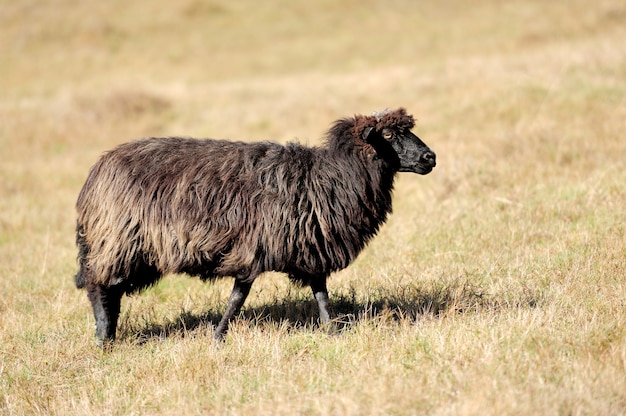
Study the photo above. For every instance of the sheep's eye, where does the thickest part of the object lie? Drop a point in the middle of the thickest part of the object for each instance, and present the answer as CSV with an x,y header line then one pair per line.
x,y
387,135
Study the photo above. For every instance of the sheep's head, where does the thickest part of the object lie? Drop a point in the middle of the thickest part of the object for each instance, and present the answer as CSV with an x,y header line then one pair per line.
x,y
389,132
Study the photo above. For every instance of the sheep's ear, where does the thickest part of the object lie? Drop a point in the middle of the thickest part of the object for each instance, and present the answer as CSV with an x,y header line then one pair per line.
x,y
367,133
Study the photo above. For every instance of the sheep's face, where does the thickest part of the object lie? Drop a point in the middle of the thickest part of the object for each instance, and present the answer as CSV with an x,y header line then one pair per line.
x,y
403,149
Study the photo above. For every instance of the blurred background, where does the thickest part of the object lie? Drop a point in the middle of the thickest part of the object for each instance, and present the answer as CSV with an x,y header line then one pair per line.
x,y
118,69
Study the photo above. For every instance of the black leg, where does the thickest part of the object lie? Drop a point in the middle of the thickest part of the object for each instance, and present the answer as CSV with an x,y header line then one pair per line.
x,y
105,302
237,298
318,286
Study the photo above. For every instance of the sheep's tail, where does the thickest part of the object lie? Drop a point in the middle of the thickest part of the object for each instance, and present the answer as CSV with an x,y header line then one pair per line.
x,y
79,279
83,250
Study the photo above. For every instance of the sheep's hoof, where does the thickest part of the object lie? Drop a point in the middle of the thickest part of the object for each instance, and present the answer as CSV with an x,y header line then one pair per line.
x,y
219,336
105,344
331,328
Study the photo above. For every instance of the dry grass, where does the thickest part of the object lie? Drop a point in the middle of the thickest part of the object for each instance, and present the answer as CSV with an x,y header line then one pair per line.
x,y
497,287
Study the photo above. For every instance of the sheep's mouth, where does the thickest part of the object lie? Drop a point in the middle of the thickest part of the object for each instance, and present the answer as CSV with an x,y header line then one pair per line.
x,y
423,169
419,168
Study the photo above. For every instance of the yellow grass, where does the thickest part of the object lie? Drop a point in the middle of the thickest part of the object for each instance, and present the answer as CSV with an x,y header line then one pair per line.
x,y
498,286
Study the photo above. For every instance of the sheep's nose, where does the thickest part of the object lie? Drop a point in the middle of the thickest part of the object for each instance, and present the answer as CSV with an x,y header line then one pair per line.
x,y
428,158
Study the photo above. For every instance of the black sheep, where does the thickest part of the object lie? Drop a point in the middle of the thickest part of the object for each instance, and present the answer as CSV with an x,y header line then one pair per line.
x,y
214,208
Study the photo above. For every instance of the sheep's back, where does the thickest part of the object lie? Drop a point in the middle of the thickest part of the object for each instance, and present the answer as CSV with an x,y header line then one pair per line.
x,y
174,203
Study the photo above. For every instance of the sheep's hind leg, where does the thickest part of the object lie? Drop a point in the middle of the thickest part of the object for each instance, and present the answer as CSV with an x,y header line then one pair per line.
x,y
105,302
320,292
235,302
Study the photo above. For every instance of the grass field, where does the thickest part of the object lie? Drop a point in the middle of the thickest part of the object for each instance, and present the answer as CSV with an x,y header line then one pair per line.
x,y
498,286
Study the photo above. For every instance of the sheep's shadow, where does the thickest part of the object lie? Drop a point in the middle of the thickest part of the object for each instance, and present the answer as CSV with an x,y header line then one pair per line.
x,y
298,312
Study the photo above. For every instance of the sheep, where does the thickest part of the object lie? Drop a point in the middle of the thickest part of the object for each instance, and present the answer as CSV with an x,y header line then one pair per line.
x,y
216,208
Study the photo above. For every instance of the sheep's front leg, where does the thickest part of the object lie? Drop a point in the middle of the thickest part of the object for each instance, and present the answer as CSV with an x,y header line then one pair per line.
x,y
320,292
235,302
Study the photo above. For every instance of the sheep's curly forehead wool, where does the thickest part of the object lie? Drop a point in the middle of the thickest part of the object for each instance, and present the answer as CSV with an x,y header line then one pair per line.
x,y
396,119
